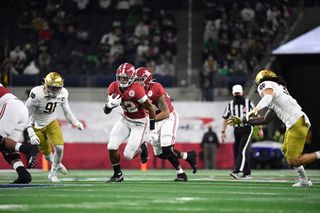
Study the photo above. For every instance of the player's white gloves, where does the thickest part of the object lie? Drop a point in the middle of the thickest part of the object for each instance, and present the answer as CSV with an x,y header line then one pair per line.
x,y
34,140
79,125
154,137
113,102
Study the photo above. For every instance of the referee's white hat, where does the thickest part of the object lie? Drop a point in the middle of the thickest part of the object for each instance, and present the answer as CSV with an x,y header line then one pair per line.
x,y
237,89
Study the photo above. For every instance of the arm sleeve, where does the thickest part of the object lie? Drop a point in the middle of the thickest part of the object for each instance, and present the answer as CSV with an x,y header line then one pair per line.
x,y
264,102
261,120
67,111
31,105
68,114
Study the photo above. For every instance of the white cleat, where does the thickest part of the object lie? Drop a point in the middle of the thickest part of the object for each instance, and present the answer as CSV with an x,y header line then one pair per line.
x,y
234,175
246,177
53,177
62,169
303,183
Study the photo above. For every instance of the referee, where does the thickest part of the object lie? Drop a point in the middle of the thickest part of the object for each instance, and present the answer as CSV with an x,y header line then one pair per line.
x,y
239,107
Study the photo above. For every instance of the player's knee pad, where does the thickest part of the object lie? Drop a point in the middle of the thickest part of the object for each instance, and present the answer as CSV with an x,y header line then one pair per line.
x,y
11,157
112,146
129,154
59,149
166,140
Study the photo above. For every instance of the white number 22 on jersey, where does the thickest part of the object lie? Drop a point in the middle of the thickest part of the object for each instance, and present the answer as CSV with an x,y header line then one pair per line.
x,y
129,106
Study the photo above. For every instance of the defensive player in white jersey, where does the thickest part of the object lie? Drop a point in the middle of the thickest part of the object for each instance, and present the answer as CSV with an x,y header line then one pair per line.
x,y
42,103
13,121
275,96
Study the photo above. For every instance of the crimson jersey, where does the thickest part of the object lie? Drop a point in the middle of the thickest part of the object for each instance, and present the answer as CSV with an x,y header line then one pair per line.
x,y
3,90
132,99
154,91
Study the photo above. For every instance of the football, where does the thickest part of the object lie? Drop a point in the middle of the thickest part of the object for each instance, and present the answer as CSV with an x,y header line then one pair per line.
x,y
113,95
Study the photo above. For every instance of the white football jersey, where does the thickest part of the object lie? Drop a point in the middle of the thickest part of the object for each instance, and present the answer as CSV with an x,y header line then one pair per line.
x,y
42,109
283,104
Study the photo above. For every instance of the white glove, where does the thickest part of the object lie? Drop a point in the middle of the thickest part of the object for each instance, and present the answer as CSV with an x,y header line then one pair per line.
x,y
34,140
79,125
154,137
113,102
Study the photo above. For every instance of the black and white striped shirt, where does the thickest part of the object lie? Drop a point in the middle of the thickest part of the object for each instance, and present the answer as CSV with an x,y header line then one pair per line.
x,y
239,107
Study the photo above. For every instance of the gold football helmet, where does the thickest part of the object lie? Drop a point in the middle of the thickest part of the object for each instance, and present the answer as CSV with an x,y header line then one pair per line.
x,y
264,74
53,84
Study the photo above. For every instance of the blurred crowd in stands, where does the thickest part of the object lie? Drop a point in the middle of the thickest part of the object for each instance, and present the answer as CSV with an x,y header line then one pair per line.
x,y
237,34
88,36
92,37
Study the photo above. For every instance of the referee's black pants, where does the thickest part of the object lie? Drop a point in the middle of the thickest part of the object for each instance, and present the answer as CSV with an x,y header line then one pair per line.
x,y
242,148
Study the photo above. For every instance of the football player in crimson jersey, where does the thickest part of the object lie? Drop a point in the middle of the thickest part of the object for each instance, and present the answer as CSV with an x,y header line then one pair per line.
x,y
132,124
13,121
167,121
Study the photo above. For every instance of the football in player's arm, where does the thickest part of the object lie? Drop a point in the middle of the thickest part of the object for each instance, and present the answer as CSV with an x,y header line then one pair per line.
x,y
132,124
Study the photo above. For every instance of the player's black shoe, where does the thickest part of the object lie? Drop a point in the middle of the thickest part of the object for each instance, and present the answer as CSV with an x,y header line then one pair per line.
x,y
24,176
144,154
181,177
192,160
116,178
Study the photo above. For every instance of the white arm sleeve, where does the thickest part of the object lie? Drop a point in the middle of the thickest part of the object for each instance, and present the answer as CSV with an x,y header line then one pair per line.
x,y
31,106
265,101
68,114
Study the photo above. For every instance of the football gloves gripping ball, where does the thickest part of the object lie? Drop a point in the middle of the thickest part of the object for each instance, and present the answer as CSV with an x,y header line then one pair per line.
x,y
113,102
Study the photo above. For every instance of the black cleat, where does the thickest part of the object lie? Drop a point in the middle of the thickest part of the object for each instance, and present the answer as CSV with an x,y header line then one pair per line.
x,y
192,160
32,156
23,178
116,178
181,177
144,154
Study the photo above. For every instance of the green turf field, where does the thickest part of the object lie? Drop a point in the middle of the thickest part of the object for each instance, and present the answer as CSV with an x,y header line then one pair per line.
x,y
154,191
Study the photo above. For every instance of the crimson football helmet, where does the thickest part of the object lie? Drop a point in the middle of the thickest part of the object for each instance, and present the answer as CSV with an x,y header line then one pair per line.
x,y
144,76
126,75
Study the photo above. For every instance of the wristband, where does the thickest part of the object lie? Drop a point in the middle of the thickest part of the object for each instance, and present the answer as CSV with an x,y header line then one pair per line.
x,y
152,124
